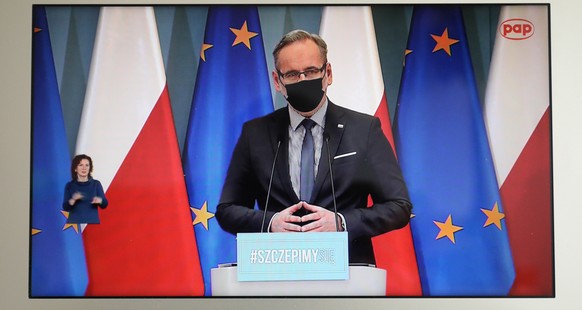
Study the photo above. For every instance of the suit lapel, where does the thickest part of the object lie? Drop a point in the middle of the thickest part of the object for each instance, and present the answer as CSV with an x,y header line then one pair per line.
x,y
334,122
279,131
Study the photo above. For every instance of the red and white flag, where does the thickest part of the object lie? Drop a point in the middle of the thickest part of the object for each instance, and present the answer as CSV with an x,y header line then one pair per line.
x,y
517,117
145,243
358,85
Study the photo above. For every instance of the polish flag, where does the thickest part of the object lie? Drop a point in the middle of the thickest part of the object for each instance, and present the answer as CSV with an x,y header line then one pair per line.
x,y
358,85
517,116
145,244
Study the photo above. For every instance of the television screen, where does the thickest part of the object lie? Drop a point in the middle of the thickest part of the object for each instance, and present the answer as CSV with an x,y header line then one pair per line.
x,y
156,97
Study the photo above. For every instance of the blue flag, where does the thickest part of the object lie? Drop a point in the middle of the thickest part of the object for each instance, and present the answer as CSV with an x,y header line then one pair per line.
x,y
232,87
57,266
458,228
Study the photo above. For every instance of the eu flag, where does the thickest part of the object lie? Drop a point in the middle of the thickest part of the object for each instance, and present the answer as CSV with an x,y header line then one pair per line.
x,y
232,87
57,266
458,228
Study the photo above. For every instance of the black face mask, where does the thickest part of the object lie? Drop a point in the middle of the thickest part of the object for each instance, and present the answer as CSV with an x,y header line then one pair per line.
x,y
304,96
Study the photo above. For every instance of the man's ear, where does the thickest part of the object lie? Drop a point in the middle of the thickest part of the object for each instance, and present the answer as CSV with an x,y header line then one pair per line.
x,y
276,81
329,74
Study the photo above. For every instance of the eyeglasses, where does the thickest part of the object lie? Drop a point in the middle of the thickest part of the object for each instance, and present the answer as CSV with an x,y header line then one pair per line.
x,y
295,76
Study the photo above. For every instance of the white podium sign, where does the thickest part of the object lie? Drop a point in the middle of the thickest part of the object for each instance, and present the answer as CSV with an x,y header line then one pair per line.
x,y
292,256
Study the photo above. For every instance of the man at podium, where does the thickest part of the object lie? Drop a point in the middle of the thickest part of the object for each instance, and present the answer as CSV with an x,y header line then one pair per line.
x,y
312,165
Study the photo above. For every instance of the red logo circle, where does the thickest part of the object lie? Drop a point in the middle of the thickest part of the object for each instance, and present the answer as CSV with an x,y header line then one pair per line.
x,y
516,29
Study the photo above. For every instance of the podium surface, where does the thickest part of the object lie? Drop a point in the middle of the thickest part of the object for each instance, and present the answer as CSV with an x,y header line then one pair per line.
x,y
363,281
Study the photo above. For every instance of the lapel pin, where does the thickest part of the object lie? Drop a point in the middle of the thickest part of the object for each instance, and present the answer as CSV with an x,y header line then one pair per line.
x,y
340,126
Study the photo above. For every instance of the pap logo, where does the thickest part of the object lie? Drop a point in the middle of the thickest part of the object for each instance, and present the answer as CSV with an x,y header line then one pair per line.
x,y
516,29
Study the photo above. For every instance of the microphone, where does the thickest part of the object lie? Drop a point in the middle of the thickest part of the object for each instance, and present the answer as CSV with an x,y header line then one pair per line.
x,y
270,183
326,137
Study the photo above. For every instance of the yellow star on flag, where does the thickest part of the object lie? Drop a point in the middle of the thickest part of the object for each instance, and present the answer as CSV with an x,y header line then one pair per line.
x,y
493,216
35,231
202,215
204,48
443,42
67,226
243,35
447,229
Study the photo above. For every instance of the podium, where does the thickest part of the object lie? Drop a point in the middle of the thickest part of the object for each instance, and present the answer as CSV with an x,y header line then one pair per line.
x,y
363,281
296,264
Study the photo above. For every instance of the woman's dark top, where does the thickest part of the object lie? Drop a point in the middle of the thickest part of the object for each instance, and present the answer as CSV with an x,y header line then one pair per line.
x,y
83,211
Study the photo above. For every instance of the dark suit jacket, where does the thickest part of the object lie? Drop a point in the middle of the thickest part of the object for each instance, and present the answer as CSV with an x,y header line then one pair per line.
x,y
372,170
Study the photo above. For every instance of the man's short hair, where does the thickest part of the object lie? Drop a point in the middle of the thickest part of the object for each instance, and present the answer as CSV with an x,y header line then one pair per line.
x,y
300,35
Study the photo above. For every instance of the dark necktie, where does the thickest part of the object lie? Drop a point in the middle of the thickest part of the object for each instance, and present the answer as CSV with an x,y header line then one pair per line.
x,y
307,162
